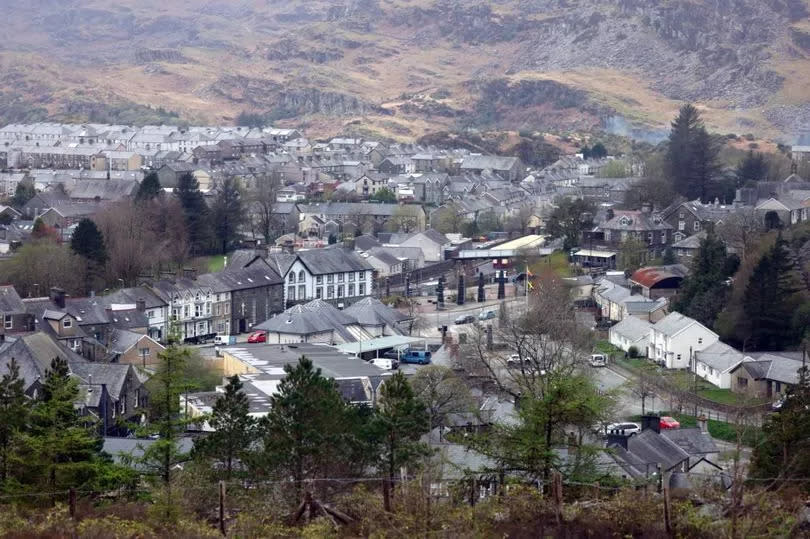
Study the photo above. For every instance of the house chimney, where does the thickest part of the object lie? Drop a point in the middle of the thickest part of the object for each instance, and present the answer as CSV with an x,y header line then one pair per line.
x,y
140,304
617,437
58,297
610,214
348,243
646,207
288,247
650,421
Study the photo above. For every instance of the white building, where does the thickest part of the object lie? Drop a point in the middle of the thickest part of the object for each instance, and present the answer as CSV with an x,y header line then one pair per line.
x,y
335,275
715,363
674,339
631,332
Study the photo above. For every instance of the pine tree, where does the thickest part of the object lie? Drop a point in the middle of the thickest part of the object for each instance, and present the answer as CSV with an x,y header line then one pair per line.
x,y
401,420
149,188
64,449
196,212
234,429
752,168
24,192
227,214
304,433
770,299
691,158
14,411
784,452
87,241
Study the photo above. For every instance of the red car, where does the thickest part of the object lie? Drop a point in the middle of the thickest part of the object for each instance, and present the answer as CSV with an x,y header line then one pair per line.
x,y
257,336
669,423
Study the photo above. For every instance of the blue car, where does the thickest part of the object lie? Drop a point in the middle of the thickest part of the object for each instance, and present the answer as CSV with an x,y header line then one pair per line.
x,y
419,357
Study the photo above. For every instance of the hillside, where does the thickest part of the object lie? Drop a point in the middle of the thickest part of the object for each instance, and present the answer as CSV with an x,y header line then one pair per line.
x,y
403,68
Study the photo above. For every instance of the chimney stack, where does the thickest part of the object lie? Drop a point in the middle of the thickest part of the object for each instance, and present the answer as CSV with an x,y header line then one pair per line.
x,y
650,421
58,297
617,437
140,304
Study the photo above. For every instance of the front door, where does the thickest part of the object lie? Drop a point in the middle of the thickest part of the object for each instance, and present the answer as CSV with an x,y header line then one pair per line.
x,y
242,325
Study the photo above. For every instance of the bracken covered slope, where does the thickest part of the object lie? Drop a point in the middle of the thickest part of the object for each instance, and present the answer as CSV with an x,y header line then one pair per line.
x,y
403,68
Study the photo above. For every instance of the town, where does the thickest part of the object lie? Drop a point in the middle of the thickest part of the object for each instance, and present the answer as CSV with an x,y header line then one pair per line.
x,y
351,328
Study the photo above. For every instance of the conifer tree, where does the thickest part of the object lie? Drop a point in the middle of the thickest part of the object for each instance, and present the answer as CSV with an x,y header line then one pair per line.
x,y
14,411
149,188
87,241
196,212
691,158
234,429
227,214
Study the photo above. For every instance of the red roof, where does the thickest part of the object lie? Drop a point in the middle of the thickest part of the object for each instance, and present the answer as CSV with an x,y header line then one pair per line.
x,y
651,276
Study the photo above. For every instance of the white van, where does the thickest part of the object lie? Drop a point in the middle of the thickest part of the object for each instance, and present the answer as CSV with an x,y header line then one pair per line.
x,y
598,360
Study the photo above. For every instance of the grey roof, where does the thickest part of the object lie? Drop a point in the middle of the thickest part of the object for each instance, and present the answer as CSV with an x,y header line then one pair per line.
x,y
673,323
325,261
233,279
122,340
10,301
50,314
281,262
366,242
636,221
133,447
692,242
616,294
132,295
372,312
757,369
650,448
720,356
241,258
87,311
639,307
782,369
34,354
693,441
384,256
317,316
350,208
354,390
104,189
632,328
113,375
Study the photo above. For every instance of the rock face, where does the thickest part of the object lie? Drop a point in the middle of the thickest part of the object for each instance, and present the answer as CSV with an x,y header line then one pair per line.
x,y
503,63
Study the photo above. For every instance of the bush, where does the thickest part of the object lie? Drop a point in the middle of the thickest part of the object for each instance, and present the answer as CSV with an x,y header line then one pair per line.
x,y
632,352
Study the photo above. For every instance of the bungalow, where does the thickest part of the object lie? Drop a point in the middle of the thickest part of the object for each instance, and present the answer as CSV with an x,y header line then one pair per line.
x,y
674,339
783,211
768,375
716,362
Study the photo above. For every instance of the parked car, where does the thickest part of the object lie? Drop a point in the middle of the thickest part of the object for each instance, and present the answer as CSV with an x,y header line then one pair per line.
x,y
419,357
489,314
668,422
598,360
257,337
629,429
465,319
515,360
385,363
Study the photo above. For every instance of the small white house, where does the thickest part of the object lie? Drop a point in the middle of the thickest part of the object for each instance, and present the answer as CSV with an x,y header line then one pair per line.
x,y
715,363
631,332
674,339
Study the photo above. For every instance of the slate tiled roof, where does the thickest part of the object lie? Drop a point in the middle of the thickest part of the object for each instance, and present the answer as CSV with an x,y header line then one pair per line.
x,y
488,162
10,301
632,328
693,441
651,448
317,316
373,312
122,340
113,375
325,261
720,356
673,323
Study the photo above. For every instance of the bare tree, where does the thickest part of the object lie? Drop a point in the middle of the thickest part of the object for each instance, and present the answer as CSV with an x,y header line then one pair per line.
x,y
261,202
132,246
741,231
442,392
405,219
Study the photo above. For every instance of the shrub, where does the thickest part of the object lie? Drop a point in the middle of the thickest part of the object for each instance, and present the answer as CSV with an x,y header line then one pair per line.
x,y
632,352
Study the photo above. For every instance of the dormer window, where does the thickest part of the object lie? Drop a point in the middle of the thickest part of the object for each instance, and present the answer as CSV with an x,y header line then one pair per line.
x,y
625,221
67,323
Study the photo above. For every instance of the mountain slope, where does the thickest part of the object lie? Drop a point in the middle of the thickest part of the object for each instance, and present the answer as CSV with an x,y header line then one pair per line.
x,y
406,67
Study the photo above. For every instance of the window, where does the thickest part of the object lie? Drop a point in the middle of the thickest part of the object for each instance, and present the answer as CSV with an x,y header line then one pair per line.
x,y
681,225
778,387
607,235
144,352
340,277
351,289
330,292
302,291
290,293
9,321
198,310
697,225
208,308
301,276
319,279
340,291
217,297
330,279
679,357
227,308
319,293
175,313
664,237
292,277
351,277
742,381
137,398
649,237
361,289
624,235
361,275
681,215
700,340
150,314
186,311
67,322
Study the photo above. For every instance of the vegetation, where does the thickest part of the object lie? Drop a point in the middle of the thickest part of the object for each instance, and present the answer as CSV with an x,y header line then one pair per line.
x,y
568,219
384,195
227,215
691,158
196,213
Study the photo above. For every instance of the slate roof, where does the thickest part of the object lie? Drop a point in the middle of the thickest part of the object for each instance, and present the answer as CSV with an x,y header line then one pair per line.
x,y
113,375
349,208
132,295
281,262
693,441
234,279
651,448
720,356
757,369
384,256
134,448
10,301
325,261
782,369
372,312
122,340
692,242
673,323
632,328
317,316
87,311
636,221
103,189
366,242
354,390
34,354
